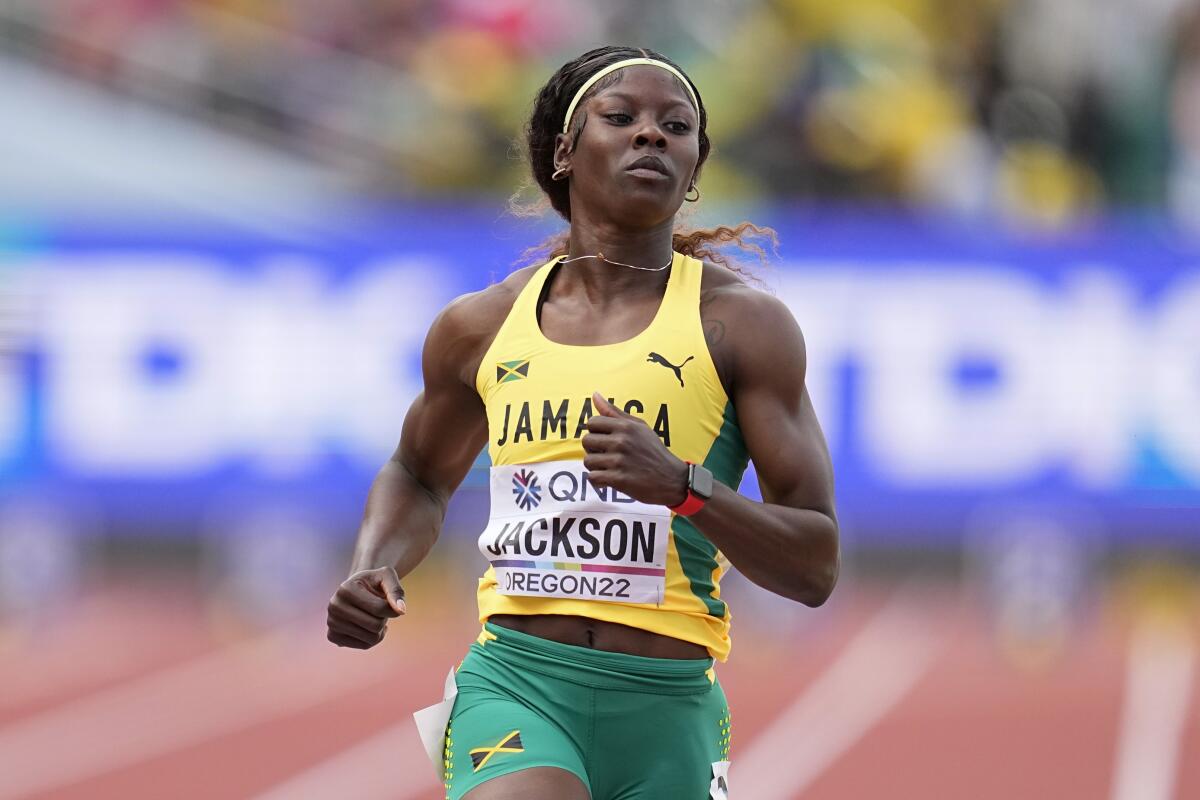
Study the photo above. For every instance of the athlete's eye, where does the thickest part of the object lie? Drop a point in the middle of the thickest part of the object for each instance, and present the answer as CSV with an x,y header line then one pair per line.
x,y
679,127
620,118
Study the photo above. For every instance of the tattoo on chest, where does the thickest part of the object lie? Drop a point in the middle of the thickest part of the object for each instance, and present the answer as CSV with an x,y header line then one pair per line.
x,y
714,334
714,331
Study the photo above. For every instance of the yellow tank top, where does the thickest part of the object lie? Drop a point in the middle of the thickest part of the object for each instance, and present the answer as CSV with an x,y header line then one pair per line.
x,y
555,543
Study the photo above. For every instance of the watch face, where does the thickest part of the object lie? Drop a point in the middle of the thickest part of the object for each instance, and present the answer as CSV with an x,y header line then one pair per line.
x,y
700,481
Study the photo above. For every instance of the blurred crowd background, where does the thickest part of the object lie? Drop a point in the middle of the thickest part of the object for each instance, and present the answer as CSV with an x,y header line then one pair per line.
x,y
225,226
1041,109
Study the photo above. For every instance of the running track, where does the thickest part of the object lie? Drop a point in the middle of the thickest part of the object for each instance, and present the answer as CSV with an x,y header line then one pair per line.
x,y
887,691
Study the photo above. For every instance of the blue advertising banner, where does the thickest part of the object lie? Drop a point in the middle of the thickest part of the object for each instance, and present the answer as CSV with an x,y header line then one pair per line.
x,y
158,378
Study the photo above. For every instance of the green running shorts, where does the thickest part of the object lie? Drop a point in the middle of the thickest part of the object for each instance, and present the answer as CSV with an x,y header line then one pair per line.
x,y
630,727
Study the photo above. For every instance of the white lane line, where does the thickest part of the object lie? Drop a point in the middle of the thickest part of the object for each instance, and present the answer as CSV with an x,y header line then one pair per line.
x,y
1158,683
179,706
41,679
872,674
391,765
57,672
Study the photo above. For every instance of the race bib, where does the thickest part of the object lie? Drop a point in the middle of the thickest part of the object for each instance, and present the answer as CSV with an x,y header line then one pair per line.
x,y
553,534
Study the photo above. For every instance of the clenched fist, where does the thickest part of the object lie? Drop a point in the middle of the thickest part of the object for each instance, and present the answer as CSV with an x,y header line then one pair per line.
x,y
622,452
361,607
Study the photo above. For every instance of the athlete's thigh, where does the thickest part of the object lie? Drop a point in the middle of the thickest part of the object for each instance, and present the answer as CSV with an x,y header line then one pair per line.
x,y
495,741
535,783
663,747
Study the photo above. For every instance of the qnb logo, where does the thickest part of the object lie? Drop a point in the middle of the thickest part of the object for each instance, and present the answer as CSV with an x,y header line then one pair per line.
x,y
526,489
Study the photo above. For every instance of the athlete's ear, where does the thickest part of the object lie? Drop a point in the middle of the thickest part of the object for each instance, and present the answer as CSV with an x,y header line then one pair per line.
x,y
563,145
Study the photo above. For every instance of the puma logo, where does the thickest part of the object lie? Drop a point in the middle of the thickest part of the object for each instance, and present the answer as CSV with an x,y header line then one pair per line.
x,y
678,370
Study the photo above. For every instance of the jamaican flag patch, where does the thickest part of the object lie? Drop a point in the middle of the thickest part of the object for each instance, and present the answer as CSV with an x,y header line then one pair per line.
x,y
512,370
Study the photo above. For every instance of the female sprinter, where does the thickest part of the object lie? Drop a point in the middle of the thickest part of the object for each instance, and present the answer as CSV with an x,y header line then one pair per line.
x,y
619,389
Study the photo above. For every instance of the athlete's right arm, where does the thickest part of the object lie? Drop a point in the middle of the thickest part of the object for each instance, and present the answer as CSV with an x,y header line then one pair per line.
x,y
443,432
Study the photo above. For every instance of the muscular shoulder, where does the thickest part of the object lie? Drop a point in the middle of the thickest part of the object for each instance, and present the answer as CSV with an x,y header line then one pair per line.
x,y
463,330
747,329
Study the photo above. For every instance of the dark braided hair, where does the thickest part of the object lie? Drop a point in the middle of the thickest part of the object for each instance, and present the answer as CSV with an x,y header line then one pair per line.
x,y
546,121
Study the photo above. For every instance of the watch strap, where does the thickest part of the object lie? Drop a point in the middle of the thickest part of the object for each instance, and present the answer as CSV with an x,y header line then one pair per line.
x,y
690,506
693,502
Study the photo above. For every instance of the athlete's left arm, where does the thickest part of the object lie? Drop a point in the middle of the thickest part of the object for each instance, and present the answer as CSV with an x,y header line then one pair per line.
x,y
788,543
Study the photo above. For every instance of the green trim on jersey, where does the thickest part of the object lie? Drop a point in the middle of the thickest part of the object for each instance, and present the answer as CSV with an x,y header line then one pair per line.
x,y
726,460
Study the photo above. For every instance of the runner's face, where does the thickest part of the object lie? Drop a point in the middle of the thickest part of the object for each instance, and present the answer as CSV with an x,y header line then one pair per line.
x,y
638,149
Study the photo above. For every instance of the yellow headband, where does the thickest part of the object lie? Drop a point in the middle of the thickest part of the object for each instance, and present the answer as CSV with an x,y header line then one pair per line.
x,y
629,62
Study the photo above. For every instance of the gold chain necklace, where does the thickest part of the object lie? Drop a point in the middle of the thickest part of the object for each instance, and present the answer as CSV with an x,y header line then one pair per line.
x,y
601,257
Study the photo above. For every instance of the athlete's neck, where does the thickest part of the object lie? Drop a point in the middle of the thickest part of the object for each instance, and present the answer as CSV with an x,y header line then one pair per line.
x,y
647,247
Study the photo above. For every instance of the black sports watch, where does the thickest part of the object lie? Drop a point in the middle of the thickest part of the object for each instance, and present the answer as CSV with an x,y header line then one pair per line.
x,y
699,490
700,481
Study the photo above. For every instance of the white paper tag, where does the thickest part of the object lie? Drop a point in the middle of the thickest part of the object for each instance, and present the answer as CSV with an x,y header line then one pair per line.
x,y
718,789
431,725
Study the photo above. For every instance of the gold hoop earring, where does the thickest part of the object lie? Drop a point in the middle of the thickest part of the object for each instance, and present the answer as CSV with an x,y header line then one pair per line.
x,y
693,188
560,173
